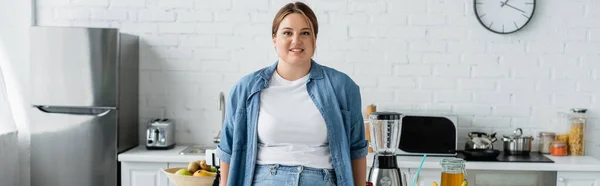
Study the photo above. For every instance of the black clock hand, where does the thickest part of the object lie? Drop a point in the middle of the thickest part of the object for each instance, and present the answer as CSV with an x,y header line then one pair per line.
x,y
514,7
502,4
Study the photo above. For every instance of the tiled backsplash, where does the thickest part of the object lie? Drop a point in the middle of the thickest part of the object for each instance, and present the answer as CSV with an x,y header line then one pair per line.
x,y
407,56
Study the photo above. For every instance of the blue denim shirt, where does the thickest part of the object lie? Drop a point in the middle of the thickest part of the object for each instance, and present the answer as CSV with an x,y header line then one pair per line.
x,y
336,96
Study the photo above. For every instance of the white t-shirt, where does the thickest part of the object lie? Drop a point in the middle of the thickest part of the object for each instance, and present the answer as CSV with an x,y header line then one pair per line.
x,y
291,130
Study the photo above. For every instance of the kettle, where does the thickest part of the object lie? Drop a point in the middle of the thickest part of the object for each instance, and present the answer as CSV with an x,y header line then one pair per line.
x,y
480,140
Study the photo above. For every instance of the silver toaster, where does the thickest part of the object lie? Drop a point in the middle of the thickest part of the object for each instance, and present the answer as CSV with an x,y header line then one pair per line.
x,y
160,134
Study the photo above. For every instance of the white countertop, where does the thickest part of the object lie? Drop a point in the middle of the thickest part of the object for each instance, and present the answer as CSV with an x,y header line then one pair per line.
x,y
564,163
141,154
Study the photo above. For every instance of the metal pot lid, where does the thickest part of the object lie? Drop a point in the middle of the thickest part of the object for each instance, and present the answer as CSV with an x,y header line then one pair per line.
x,y
578,110
517,134
547,134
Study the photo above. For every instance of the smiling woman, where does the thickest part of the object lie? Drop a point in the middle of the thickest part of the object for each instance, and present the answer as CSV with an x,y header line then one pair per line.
x,y
295,122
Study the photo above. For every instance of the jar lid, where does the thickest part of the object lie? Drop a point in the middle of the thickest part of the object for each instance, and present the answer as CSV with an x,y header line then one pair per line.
x,y
559,143
453,162
578,110
547,134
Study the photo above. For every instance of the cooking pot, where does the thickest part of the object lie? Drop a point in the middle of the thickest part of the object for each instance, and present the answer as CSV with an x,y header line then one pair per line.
x,y
517,144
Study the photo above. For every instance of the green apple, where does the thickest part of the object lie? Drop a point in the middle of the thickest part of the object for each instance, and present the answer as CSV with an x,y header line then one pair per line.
x,y
212,169
184,172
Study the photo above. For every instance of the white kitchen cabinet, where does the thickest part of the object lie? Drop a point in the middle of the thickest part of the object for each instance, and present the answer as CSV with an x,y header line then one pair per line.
x,y
564,178
498,178
426,177
146,173
517,178
143,174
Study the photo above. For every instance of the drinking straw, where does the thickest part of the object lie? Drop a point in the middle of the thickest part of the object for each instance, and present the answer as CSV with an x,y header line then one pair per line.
x,y
419,170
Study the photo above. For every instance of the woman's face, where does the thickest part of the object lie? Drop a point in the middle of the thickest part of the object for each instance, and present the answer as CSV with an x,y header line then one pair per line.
x,y
294,39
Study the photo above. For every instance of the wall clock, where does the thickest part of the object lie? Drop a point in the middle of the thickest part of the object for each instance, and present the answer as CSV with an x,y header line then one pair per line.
x,y
504,16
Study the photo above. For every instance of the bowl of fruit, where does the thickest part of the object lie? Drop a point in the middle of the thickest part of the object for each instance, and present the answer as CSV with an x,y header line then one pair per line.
x,y
198,173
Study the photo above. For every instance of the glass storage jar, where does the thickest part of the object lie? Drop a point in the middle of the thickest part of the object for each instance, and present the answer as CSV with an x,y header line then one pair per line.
x,y
370,109
559,148
453,172
577,121
546,139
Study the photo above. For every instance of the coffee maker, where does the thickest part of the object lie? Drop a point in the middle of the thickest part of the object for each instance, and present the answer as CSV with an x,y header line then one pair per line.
x,y
385,130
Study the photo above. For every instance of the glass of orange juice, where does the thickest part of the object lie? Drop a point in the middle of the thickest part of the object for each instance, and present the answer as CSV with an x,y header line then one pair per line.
x,y
453,171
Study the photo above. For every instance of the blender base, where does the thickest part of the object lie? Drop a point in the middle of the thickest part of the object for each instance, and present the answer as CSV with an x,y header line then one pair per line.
x,y
385,172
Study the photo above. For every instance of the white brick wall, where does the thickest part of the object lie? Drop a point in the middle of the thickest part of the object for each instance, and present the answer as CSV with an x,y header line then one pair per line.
x,y
406,56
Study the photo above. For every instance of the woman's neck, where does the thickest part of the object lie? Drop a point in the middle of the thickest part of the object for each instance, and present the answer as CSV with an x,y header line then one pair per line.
x,y
292,72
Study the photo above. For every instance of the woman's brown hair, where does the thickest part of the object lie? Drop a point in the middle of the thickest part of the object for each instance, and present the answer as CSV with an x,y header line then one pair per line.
x,y
297,7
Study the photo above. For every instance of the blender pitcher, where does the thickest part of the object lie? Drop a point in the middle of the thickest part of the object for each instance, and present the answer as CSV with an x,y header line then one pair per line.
x,y
385,132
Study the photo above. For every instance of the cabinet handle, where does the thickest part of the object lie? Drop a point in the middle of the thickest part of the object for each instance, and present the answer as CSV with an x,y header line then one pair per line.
x,y
561,179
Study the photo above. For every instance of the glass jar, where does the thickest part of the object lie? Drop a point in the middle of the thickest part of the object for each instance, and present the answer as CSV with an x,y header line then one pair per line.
x,y
559,148
368,135
453,171
546,139
370,109
563,127
577,121
563,137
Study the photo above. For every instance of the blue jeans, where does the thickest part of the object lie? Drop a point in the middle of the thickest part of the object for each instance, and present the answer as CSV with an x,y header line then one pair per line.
x,y
282,175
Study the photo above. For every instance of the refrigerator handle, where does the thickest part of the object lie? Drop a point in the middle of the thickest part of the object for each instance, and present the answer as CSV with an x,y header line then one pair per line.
x,y
103,113
89,111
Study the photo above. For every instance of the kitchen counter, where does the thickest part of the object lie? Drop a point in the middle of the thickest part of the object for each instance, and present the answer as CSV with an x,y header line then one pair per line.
x,y
565,163
141,154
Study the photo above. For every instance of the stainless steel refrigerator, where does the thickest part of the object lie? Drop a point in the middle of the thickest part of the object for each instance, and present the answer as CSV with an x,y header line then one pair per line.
x,y
84,91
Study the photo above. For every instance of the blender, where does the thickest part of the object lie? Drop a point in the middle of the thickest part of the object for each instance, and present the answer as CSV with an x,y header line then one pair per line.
x,y
385,138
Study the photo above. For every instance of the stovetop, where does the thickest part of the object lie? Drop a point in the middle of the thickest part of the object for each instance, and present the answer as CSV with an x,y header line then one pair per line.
x,y
533,157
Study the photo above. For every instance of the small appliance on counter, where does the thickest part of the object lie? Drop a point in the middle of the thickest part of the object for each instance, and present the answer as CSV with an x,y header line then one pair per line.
x,y
386,134
160,134
428,134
